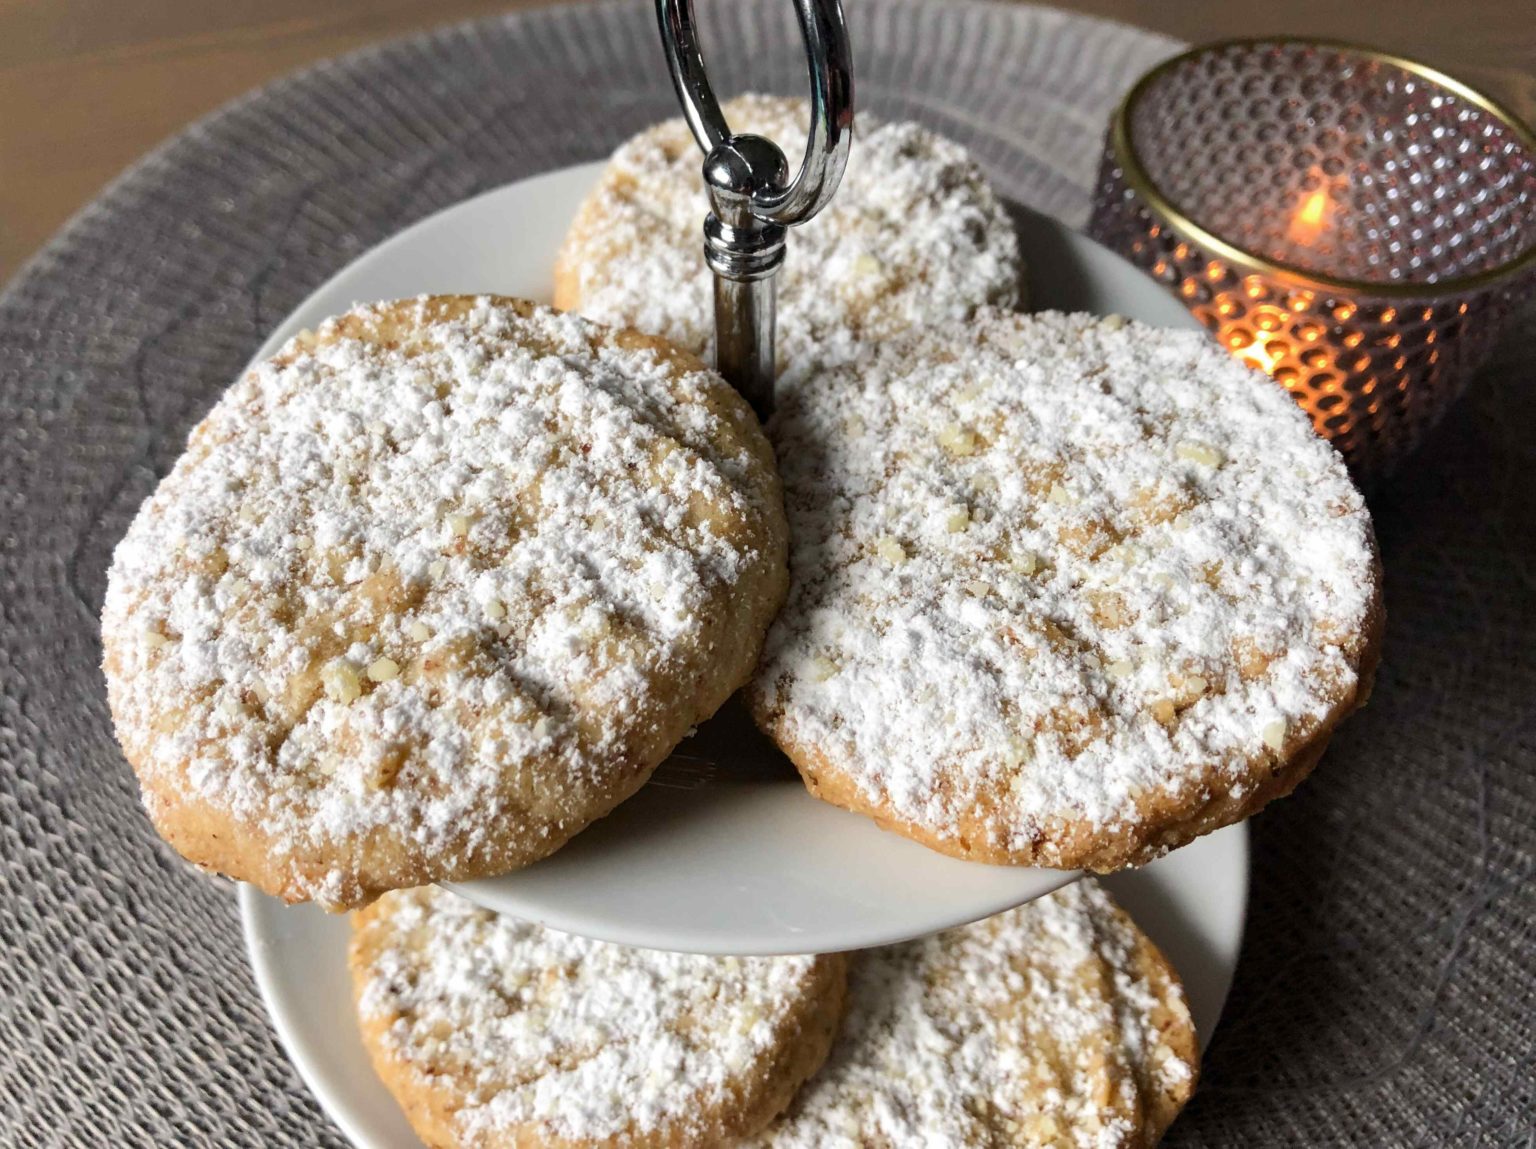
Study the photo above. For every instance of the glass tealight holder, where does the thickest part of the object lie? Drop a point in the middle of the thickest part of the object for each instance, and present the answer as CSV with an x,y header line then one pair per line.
x,y
1355,224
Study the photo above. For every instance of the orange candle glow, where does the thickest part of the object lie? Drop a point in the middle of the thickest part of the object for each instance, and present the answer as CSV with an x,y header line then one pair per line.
x,y
1259,355
1311,217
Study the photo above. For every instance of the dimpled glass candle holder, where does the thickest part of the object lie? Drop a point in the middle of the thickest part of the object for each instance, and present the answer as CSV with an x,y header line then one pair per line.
x,y
1355,224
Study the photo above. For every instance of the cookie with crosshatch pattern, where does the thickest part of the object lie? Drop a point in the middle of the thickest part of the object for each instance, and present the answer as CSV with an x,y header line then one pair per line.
x,y
1056,1025
1065,591
495,1033
432,589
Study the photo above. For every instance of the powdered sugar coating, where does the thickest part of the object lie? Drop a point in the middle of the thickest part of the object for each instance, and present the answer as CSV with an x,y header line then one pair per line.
x,y
1052,1025
431,590
529,1036
1058,583
915,235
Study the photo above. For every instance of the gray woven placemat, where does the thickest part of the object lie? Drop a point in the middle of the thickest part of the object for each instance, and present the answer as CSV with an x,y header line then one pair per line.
x,y
1386,993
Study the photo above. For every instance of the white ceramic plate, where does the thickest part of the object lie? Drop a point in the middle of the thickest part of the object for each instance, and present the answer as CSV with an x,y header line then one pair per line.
x,y
1191,902
724,852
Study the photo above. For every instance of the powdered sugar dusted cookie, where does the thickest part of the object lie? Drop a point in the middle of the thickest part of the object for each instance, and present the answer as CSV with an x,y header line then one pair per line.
x,y
433,589
1064,591
914,236
494,1033
1057,1025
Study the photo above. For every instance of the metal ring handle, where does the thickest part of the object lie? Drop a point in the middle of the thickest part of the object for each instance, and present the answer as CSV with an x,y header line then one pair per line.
x,y
830,63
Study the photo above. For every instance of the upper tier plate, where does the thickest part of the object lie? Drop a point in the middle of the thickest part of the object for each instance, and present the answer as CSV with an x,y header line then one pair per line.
x,y
724,851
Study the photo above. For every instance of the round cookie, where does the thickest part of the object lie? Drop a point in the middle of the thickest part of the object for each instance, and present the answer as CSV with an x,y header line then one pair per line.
x,y
434,588
914,236
1064,591
1056,1025
494,1033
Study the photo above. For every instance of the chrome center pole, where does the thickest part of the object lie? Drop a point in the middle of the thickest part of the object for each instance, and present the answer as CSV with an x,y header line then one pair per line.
x,y
753,202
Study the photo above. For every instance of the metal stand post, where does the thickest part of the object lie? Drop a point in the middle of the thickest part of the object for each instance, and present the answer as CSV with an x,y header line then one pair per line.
x,y
752,200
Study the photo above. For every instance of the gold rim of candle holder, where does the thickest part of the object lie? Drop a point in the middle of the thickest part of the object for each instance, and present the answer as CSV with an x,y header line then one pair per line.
x,y
1135,175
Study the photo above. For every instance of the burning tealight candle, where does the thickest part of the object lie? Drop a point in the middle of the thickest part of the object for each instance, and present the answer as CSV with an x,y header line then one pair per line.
x,y
1311,218
1354,224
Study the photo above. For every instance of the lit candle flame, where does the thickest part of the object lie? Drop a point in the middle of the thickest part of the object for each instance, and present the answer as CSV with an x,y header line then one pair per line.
x,y
1311,217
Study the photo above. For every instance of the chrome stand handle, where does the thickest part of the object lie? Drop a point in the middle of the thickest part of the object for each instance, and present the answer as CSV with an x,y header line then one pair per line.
x,y
753,202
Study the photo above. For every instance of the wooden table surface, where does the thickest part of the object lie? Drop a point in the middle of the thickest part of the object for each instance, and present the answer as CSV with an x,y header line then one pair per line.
x,y
86,86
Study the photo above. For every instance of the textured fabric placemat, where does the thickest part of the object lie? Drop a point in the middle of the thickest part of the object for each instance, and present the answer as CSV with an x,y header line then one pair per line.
x,y
1386,992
